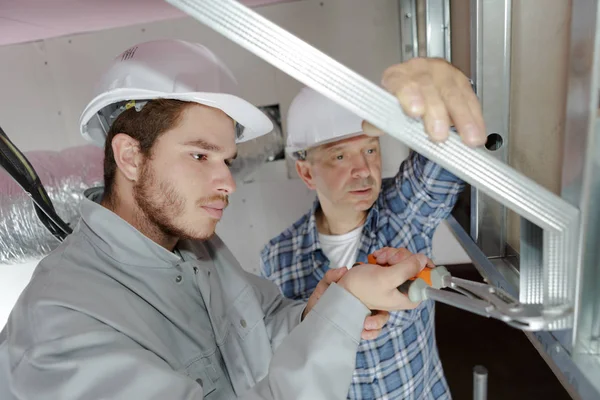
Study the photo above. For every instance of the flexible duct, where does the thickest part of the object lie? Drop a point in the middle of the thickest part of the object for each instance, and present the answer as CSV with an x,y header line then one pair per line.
x,y
65,175
254,153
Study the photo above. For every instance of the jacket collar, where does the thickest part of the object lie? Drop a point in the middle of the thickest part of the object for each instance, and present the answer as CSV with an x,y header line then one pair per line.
x,y
121,241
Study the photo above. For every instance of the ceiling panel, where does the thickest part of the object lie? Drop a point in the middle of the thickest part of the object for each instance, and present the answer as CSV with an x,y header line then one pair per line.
x,y
31,20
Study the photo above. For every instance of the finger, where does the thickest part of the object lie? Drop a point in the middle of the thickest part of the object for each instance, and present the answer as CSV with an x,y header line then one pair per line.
x,y
370,335
397,81
379,251
381,255
390,255
396,274
477,114
377,320
436,118
460,110
430,263
371,130
333,275
398,256
474,104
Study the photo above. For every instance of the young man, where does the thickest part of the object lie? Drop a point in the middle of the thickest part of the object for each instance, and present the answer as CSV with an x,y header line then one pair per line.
x,y
357,213
142,301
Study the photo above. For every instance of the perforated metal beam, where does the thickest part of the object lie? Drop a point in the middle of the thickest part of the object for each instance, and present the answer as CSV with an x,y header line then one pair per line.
x,y
557,218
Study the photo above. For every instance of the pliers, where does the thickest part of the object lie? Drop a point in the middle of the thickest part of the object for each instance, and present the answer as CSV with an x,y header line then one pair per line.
x,y
479,298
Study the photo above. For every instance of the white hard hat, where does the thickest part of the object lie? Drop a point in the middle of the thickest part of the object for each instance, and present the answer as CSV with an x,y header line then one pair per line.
x,y
169,69
314,119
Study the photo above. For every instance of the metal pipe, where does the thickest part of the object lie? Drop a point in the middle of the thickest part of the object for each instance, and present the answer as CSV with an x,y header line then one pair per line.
x,y
480,378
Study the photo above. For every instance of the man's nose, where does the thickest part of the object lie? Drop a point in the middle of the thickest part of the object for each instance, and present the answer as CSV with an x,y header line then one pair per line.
x,y
224,181
361,168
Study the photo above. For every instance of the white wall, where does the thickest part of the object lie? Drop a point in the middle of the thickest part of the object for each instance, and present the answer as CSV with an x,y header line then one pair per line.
x,y
53,79
46,84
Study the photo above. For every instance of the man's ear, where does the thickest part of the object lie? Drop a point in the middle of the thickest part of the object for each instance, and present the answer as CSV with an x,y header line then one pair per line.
x,y
304,169
127,155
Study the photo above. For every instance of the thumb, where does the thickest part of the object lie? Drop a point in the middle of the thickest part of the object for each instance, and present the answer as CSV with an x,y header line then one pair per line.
x,y
334,275
399,273
371,130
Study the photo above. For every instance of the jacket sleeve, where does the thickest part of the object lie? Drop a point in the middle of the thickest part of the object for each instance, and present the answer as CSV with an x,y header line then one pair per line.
x,y
316,360
282,314
93,360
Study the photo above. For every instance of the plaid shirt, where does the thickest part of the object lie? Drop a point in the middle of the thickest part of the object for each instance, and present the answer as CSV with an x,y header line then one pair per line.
x,y
403,362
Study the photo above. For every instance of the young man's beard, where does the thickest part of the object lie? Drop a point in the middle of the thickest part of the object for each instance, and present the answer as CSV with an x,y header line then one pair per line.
x,y
160,207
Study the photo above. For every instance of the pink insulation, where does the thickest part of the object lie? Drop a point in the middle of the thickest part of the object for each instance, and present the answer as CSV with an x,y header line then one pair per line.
x,y
31,20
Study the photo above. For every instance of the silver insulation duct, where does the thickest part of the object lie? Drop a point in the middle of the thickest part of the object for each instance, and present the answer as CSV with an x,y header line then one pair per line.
x,y
65,175
254,153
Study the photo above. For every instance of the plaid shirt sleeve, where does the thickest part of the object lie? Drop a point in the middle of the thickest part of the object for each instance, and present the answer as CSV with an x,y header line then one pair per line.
x,y
423,192
265,265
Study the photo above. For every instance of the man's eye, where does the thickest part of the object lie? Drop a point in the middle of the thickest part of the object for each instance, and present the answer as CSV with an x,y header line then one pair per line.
x,y
199,157
371,151
339,157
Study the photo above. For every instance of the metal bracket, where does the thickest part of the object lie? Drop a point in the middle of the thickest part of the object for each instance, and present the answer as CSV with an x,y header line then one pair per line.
x,y
435,28
490,69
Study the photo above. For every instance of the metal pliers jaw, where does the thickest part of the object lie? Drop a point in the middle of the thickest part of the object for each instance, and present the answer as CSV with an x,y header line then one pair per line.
x,y
482,299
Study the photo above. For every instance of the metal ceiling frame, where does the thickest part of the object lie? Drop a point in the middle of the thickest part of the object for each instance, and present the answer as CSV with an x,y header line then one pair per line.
x,y
558,259
558,219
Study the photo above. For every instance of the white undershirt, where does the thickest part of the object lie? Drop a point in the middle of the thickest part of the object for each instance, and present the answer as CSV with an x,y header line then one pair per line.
x,y
341,250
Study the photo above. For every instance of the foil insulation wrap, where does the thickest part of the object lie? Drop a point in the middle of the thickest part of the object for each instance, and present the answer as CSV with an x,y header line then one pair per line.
x,y
65,175
254,153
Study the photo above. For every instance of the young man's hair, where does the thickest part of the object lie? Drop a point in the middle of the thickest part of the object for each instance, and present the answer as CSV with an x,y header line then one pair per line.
x,y
146,126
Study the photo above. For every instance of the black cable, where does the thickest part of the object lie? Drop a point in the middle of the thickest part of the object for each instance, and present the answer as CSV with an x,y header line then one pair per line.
x,y
21,170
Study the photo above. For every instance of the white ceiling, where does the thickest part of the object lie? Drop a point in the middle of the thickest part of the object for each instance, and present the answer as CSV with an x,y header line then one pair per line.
x,y
31,20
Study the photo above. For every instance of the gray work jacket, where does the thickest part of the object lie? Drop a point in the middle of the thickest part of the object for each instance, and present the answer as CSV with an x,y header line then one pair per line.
x,y
112,315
